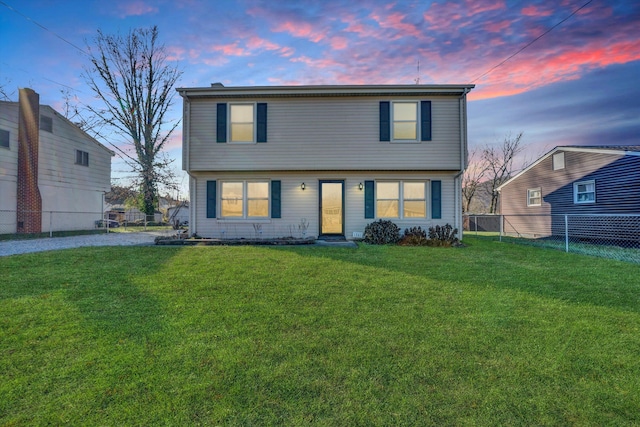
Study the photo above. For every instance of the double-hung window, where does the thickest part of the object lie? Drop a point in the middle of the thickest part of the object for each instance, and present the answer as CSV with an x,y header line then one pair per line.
x,y
241,123
399,199
405,121
534,197
244,199
82,158
584,192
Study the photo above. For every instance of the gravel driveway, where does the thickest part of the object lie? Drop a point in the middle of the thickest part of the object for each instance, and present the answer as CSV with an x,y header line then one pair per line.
x,y
14,247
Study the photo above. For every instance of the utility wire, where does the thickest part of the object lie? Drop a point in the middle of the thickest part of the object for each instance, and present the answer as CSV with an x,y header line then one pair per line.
x,y
532,42
43,27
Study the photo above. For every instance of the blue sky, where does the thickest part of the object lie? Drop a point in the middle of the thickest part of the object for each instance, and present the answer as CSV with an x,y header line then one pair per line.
x,y
576,85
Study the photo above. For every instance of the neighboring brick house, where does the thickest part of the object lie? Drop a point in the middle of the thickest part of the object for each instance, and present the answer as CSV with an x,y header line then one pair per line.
x,y
48,164
323,161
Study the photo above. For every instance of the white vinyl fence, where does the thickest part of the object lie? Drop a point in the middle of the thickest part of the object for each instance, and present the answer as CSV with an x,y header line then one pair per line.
x,y
610,236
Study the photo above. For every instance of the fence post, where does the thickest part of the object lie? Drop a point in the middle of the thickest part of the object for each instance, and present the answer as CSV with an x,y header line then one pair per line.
x,y
50,223
475,221
501,226
566,233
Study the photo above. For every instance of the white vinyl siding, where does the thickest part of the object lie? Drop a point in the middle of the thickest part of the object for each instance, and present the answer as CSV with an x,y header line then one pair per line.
x,y
298,204
324,134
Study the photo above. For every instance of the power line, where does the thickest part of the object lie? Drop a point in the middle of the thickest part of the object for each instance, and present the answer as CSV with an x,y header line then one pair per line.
x,y
43,27
531,42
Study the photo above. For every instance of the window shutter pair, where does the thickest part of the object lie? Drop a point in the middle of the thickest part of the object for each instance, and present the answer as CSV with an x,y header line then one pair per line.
x,y
425,121
276,211
370,199
261,122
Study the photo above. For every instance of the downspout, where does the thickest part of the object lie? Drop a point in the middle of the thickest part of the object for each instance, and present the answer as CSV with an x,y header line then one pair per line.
x,y
463,162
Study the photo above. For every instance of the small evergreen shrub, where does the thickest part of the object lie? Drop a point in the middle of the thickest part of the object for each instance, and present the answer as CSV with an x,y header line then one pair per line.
x,y
414,236
443,236
381,232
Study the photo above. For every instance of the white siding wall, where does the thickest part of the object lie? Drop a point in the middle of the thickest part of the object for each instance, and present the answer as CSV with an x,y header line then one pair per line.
x,y
298,204
324,134
8,164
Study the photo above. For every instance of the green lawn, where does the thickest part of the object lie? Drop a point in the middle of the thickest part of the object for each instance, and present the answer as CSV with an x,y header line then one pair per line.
x,y
490,334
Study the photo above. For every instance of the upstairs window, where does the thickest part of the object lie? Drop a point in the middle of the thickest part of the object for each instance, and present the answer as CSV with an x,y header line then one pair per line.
x,y
82,158
4,138
405,121
241,123
584,192
534,197
46,123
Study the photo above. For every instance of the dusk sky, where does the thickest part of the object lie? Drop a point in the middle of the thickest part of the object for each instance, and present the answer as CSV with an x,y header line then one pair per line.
x,y
576,85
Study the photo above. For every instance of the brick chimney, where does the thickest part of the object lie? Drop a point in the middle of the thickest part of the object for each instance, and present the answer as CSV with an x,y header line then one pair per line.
x,y
29,206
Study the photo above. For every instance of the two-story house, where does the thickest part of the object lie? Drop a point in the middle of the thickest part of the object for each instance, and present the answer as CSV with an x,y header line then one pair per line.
x,y
323,161
53,175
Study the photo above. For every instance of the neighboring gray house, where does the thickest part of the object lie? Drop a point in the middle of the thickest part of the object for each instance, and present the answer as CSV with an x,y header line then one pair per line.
x,y
573,180
48,164
323,161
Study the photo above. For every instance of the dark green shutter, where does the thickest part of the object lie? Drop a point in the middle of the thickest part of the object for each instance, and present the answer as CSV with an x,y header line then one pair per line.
x,y
261,119
385,121
275,200
211,199
369,199
221,123
425,120
436,199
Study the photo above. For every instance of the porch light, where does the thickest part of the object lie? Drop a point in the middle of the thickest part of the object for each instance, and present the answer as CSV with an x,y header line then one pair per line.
x,y
360,186
302,186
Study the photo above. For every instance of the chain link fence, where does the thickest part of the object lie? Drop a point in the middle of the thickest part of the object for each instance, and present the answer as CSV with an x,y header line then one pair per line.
x,y
609,236
19,223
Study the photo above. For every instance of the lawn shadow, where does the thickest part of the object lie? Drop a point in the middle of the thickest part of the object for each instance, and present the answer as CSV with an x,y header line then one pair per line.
x,y
109,299
571,278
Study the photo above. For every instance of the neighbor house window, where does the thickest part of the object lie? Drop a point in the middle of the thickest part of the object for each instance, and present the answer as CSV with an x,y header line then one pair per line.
x,y
244,199
534,197
584,192
241,123
405,121
46,123
4,138
399,199
558,161
82,158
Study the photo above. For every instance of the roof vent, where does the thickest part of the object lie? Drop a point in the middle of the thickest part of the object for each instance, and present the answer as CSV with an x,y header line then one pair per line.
x,y
217,84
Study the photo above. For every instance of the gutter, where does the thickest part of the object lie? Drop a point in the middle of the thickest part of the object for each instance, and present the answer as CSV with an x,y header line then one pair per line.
x,y
464,154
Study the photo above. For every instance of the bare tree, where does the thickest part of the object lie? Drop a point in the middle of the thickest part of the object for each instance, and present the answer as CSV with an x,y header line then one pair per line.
x,y
472,178
499,161
131,76
4,94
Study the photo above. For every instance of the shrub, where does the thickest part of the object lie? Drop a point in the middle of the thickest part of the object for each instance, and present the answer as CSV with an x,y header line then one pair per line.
x,y
381,232
414,236
443,236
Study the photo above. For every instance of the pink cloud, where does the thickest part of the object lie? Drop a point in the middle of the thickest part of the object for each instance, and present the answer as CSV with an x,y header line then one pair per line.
x,y
536,11
175,53
396,22
135,8
497,27
300,29
338,43
231,49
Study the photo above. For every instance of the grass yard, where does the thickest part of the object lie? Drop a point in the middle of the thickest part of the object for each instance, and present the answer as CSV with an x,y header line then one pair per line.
x,y
490,334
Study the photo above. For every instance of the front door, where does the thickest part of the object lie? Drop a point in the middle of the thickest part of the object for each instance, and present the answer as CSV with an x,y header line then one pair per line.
x,y
332,208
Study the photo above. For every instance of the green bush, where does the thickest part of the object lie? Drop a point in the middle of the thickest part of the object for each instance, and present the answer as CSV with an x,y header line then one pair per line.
x,y
443,236
381,232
